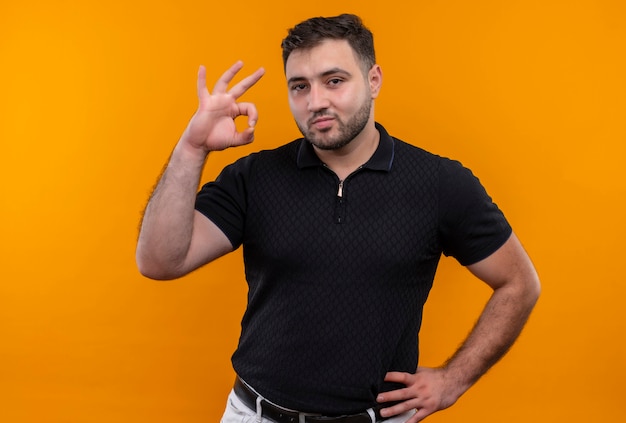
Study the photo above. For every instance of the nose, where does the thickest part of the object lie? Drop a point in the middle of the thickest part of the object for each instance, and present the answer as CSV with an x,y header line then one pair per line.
x,y
318,100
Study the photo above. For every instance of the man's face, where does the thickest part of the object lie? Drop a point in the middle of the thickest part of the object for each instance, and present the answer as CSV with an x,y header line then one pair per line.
x,y
329,95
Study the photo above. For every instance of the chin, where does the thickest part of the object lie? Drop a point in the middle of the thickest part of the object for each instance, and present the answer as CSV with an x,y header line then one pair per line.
x,y
328,144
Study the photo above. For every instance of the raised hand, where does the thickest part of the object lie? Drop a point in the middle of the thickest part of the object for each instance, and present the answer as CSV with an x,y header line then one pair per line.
x,y
212,127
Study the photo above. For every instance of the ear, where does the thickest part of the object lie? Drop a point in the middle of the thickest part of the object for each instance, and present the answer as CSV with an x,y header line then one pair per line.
x,y
375,79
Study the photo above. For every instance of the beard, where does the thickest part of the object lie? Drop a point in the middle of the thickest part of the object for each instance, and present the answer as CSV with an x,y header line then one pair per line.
x,y
346,131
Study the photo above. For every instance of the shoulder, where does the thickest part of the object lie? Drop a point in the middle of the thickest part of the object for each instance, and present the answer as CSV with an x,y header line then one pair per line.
x,y
453,182
411,160
263,159
269,156
443,163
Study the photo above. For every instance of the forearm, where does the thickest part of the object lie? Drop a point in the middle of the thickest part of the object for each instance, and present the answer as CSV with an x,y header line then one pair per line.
x,y
169,245
167,224
499,325
511,275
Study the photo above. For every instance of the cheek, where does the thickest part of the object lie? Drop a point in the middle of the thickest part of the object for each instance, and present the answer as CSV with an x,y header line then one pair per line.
x,y
348,104
297,107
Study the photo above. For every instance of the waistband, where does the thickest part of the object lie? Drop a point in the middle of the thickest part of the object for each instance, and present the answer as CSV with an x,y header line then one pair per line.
x,y
280,414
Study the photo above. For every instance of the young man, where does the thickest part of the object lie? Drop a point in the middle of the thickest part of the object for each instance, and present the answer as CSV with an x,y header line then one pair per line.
x,y
342,232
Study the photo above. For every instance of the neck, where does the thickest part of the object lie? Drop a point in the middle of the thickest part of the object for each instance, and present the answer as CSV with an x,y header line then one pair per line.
x,y
343,161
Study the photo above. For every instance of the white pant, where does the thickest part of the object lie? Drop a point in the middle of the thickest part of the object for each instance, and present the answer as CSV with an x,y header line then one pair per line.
x,y
237,412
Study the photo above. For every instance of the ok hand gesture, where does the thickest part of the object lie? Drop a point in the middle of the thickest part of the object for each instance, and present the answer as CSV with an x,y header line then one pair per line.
x,y
212,127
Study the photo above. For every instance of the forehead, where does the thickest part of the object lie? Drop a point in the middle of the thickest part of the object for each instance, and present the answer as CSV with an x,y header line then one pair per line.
x,y
315,61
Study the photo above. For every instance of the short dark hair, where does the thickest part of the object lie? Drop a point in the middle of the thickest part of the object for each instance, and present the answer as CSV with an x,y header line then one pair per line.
x,y
314,31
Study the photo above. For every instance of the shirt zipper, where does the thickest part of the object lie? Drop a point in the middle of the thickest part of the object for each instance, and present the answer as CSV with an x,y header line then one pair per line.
x,y
340,204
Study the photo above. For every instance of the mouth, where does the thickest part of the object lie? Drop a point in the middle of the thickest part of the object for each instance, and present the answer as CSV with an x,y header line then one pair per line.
x,y
322,122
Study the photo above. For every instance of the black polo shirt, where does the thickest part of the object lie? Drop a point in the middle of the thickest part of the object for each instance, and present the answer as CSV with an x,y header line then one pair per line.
x,y
339,271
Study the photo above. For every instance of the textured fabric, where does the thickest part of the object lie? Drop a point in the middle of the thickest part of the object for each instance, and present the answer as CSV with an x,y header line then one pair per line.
x,y
337,284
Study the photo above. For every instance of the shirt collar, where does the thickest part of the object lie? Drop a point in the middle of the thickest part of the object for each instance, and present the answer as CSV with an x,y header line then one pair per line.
x,y
382,159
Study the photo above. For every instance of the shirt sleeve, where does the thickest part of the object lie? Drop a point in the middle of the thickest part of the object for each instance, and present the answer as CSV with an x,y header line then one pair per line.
x,y
472,226
224,200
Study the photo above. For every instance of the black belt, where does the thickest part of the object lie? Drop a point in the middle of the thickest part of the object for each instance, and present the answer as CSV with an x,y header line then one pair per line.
x,y
282,415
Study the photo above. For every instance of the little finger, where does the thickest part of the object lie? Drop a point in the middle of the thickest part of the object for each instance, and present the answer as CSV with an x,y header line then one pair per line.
x,y
400,408
244,85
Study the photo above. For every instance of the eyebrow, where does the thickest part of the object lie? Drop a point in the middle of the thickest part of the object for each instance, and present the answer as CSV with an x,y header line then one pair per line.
x,y
331,71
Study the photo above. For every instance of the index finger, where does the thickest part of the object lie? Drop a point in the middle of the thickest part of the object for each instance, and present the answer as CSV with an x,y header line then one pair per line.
x,y
400,377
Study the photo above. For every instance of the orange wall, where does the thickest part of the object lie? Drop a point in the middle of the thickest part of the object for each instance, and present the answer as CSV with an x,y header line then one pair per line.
x,y
93,95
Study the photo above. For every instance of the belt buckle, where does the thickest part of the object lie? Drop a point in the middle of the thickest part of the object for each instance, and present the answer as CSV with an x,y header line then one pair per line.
x,y
367,416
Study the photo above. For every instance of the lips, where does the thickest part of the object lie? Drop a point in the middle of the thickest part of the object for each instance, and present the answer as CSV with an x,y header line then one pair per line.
x,y
322,122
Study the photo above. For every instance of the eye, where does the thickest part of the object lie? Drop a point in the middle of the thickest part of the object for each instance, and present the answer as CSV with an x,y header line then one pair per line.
x,y
298,87
334,82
